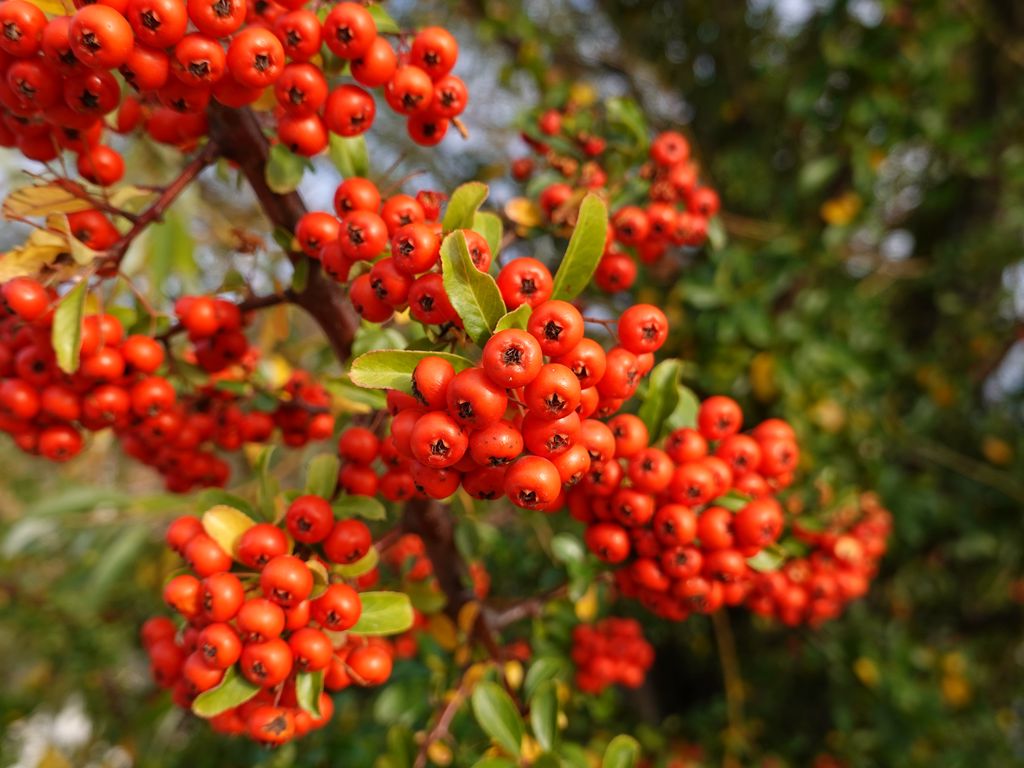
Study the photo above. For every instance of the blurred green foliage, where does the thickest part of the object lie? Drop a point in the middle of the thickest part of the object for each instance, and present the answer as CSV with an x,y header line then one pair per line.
x,y
870,160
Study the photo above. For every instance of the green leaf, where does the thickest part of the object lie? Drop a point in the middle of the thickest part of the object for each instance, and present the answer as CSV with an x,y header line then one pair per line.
x,y
473,294
365,507
661,397
300,274
498,716
66,336
733,501
385,24
364,565
543,669
567,548
322,475
685,412
392,368
544,715
308,687
232,691
494,762
169,251
384,613
117,557
517,318
584,251
626,114
817,173
268,483
766,560
463,205
668,404
623,752
489,225
284,169
212,497
349,153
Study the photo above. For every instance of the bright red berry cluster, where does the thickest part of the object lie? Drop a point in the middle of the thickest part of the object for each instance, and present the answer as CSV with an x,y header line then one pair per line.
x,y
842,561
408,229
520,423
47,410
262,613
60,75
610,652
666,515
674,213
118,385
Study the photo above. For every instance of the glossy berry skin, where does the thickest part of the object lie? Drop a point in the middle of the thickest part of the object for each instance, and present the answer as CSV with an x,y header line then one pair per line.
x,y
643,328
348,542
337,609
266,664
260,544
286,581
512,358
532,482
309,519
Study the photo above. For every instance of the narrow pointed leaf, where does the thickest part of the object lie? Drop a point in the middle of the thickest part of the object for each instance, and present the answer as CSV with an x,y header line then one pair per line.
x,y
384,613
392,368
585,249
463,205
232,691
473,294
498,716
67,327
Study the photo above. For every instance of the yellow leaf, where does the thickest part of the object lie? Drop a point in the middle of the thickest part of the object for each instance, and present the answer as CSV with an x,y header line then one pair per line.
x,y
276,371
275,326
840,210
225,525
762,377
582,94
42,200
442,629
586,606
125,194
956,691
467,616
996,450
439,753
514,674
40,250
524,212
866,671
50,7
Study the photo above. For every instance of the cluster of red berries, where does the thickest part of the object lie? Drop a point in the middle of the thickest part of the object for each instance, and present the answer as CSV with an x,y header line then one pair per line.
x,y
47,410
117,386
180,444
612,651
842,561
515,425
58,75
260,612
408,229
675,214
663,514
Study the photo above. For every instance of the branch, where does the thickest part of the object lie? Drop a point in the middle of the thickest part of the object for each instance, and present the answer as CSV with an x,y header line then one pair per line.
x,y
734,689
156,211
242,141
433,522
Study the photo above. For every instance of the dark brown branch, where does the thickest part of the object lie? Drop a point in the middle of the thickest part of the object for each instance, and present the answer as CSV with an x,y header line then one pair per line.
x,y
242,141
